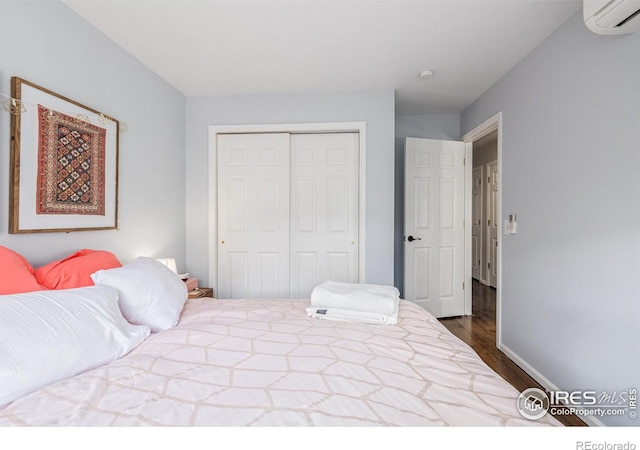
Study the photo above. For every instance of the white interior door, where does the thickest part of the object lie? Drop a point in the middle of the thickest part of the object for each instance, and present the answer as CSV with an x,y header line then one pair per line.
x,y
477,204
324,210
253,215
434,225
492,223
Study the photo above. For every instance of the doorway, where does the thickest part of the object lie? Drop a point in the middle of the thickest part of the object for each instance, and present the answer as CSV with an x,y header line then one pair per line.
x,y
484,239
484,211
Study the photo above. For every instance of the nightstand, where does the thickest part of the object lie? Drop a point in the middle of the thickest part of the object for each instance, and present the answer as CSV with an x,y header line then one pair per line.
x,y
201,292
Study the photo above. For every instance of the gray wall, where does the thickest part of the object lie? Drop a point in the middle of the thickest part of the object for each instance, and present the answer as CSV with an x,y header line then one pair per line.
x,y
376,108
436,126
571,159
78,62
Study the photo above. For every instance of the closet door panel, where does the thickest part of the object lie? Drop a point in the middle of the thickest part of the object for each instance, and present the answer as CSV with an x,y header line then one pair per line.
x,y
253,215
304,272
324,210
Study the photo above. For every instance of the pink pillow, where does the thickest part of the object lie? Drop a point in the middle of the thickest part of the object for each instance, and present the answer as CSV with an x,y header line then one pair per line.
x,y
75,270
16,274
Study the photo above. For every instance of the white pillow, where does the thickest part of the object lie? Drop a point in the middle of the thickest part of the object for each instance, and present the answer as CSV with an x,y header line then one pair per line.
x,y
46,336
150,293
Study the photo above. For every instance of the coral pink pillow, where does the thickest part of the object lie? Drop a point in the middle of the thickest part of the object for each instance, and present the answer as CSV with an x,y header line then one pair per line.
x,y
16,274
75,270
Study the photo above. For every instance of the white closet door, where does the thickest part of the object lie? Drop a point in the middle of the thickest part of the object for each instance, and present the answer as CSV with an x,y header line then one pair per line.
x,y
253,216
324,210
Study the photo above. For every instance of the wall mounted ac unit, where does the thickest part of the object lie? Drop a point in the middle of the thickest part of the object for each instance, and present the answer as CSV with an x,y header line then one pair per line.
x,y
612,16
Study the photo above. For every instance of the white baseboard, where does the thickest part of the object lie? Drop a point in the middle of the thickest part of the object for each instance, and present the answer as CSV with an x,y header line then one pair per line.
x,y
533,373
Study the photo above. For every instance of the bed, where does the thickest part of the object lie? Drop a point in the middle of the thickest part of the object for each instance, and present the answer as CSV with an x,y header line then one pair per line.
x,y
265,362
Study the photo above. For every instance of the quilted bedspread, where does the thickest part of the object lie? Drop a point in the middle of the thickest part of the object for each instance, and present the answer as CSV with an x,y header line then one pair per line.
x,y
265,363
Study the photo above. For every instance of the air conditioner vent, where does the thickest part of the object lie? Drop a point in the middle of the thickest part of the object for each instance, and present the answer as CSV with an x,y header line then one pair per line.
x,y
612,16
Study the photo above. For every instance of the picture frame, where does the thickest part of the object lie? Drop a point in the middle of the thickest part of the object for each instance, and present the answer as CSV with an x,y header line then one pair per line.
x,y
63,164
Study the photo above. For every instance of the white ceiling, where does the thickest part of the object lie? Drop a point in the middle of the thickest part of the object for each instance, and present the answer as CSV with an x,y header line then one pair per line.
x,y
256,47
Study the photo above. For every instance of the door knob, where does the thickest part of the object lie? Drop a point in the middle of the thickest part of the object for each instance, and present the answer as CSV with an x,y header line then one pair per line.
x,y
411,239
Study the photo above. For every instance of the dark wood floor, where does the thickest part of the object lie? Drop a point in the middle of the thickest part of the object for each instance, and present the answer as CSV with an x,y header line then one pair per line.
x,y
479,331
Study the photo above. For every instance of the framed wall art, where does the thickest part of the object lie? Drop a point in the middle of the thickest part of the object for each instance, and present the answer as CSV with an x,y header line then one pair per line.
x,y
64,164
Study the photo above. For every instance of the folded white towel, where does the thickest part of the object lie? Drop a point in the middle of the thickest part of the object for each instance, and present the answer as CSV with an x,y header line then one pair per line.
x,y
372,298
345,315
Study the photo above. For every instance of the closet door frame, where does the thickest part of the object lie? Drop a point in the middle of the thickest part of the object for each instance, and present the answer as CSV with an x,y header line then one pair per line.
x,y
333,127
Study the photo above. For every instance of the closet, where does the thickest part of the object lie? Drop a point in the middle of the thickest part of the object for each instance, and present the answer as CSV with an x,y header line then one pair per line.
x,y
288,212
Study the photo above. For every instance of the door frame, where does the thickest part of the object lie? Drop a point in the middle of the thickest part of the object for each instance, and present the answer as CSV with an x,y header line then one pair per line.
x,y
293,128
490,125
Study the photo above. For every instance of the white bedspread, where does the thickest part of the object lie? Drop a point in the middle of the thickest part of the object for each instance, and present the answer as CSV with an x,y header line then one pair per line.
x,y
266,363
